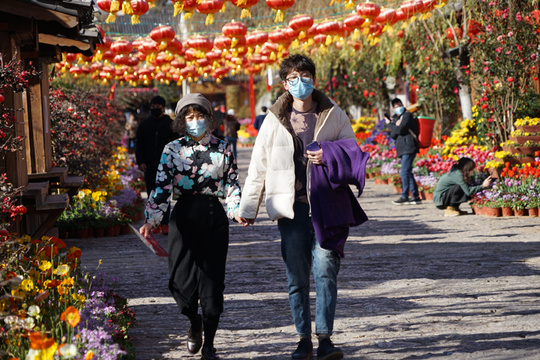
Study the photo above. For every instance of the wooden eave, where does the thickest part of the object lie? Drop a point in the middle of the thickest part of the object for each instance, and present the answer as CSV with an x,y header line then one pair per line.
x,y
37,12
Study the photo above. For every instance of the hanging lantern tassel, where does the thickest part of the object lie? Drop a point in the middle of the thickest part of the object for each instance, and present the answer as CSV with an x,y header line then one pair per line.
x,y
273,56
187,15
178,7
302,35
209,19
350,5
245,13
356,34
111,18
126,8
135,20
328,40
234,41
279,16
222,10
115,6
332,2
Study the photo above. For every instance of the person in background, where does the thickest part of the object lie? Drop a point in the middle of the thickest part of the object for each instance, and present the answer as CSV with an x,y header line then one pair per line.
x,y
230,129
260,118
404,131
131,130
453,188
196,170
219,115
153,134
282,165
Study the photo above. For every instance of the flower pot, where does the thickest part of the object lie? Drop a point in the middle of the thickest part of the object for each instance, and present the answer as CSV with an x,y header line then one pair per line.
x,y
529,128
82,233
493,212
109,231
519,212
398,189
523,139
125,229
507,211
476,209
90,232
429,196
379,181
422,194
99,232
116,229
533,212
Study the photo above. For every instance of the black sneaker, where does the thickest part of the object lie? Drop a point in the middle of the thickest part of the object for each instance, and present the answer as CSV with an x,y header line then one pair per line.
x,y
304,351
400,201
327,351
415,201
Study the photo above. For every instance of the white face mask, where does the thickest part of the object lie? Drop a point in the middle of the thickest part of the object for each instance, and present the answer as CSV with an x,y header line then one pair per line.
x,y
399,110
196,128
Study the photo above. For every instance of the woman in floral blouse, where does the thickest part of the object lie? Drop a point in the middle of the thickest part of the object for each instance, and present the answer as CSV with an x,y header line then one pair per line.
x,y
196,170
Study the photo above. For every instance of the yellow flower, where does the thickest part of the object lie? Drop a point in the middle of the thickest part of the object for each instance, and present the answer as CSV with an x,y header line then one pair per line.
x,y
45,265
26,285
96,195
68,282
89,355
62,270
87,192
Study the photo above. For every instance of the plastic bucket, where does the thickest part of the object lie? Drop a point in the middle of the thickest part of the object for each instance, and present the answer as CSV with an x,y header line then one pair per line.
x,y
425,131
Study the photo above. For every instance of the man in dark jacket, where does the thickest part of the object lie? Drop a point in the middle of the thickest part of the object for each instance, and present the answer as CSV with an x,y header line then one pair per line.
x,y
403,129
152,135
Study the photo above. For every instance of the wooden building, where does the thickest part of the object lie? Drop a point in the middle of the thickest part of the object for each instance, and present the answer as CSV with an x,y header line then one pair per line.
x,y
37,32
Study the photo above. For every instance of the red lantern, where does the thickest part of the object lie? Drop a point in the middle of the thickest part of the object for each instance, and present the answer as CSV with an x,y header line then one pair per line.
x,y
328,29
139,7
301,23
189,7
410,8
429,5
105,5
353,23
162,35
386,16
279,6
210,7
368,10
245,5
121,47
256,39
222,42
235,31
76,71
201,44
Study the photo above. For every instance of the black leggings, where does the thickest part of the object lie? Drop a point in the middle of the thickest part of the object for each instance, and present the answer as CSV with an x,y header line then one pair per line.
x,y
453,197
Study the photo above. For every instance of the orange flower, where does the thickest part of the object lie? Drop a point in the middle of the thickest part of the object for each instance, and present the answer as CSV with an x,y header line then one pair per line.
x,y
71,316
40,341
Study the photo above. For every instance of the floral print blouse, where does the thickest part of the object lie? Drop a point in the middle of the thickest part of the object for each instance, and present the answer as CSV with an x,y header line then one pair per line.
x,y
188,167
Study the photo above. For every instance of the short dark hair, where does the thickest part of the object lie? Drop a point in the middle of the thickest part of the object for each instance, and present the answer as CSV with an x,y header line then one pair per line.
x,y
396,101
158,100
296,62
179,123
264,108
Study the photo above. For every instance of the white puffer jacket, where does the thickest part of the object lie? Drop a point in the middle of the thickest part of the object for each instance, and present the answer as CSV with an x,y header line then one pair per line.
x,y
271,170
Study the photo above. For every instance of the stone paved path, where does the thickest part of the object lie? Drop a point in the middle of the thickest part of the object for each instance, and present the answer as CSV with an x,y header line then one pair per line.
x,y
413,285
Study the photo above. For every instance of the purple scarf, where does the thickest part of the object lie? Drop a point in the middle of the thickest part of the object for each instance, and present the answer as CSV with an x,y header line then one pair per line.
x,y
334,208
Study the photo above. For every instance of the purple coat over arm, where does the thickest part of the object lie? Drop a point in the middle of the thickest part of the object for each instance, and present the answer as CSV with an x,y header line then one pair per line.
x,y
334,208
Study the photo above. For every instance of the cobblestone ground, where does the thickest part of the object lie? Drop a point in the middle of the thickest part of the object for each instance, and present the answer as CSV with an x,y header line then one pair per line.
x,y
413,285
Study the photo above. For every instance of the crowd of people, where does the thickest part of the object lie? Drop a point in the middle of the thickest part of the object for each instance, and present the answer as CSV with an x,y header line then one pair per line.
x,y
304,160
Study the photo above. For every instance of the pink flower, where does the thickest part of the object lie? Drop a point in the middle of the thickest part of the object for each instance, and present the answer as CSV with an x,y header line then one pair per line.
x,y
533,57
498,49
519,17
489,28
510,34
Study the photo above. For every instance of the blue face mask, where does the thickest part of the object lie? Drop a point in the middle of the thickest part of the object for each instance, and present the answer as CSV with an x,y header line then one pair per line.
x,y
399,110
196,128
301,90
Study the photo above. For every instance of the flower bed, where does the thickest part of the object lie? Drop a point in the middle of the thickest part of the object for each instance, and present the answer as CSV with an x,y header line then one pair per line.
x,y
52,309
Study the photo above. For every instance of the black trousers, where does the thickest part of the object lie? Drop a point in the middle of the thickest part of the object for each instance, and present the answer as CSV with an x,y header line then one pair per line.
x,y
453,197
197,244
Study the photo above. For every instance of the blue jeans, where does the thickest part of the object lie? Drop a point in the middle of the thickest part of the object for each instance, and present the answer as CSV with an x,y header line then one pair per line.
x,y
232,141
300,249
408,182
